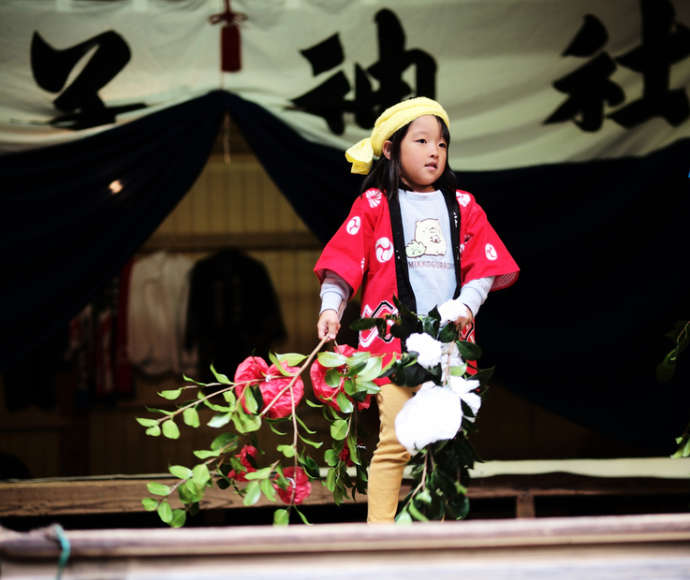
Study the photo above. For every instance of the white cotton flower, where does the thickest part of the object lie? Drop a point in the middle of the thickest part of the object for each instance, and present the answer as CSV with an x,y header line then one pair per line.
x,y
464,388
451,310
428,348
433,414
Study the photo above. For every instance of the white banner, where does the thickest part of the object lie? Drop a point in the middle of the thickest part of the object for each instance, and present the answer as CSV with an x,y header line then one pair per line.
x,y
525,82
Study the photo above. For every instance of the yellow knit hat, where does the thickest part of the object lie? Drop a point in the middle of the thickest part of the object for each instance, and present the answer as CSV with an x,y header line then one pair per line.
x,y
362,154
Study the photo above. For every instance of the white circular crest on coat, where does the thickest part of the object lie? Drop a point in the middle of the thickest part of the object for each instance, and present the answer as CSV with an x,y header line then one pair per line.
x,y
352,226
490,252
384,249
374,197
463,199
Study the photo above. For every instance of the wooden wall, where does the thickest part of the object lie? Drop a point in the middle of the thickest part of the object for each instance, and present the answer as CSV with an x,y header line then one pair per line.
x,y
234,203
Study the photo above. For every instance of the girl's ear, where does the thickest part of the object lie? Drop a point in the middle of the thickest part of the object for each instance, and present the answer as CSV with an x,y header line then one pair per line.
x,y
386,149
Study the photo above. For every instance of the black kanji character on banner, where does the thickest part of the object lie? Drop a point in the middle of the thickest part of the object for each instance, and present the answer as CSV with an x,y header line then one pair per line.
x,y
80,101
328,99
588,87
664,43
662,46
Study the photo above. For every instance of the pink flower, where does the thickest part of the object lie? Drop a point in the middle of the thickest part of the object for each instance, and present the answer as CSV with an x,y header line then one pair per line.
x,y
247,450
327,394
250,371
299,486
272,390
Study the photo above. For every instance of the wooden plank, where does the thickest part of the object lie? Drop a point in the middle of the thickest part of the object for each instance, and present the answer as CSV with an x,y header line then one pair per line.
x,y
93,496
354,538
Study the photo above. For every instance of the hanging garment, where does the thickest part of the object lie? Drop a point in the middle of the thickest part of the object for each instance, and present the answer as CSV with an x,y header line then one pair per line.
x,y
233,312
156,318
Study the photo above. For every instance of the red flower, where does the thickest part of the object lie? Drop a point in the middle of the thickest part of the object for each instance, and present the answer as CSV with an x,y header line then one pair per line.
x,y
328,394
344,455
249,372
271,389
247,450
299,486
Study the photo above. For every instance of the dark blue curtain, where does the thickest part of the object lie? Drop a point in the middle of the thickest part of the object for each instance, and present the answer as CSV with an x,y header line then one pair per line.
x,y
602,247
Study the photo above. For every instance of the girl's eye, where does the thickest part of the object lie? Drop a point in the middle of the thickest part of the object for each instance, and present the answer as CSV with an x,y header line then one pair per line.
x,y
444,145
421,140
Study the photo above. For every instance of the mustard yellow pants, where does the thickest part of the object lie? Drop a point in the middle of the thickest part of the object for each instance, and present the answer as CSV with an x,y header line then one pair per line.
x,y
389,458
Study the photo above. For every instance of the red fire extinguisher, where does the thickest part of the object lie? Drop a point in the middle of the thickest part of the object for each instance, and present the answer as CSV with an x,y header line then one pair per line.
x,y
230,49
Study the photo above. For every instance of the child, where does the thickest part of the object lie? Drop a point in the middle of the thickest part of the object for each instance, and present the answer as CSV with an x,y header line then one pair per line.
x,y
409,234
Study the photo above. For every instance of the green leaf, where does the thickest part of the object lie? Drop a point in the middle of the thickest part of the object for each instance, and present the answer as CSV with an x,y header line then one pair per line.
x,y
302,517
310,466
415,513
363,323
194,381
292,359
170,429
330,480
424,496
252,493
349,386
339,429
287,450
275,429
281,517
230,398
200,474
371,371
223,440
150,504
330,457
145,422
305,426
458,370
313,404
469,350
190,493
352,447
403,518
448,333
190,416
218,421
267,489
170,394
153,431
333,378
161,411
246,423
331,359
180,471
165,512
315,444
179,516
344,403
259,473
220,377
250,401
205,453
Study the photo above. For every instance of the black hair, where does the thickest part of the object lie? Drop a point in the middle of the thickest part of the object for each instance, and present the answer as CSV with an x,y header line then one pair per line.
x,y
385,175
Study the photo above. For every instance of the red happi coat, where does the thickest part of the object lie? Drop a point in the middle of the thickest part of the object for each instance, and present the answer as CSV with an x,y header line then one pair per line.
x,y
368,250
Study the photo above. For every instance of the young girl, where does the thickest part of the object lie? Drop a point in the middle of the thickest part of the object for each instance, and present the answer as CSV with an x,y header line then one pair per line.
x,y
410,234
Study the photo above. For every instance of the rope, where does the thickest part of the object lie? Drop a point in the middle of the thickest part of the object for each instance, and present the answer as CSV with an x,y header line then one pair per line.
x,y
64,547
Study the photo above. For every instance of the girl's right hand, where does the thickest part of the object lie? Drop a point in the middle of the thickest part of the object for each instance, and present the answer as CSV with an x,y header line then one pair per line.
x,y
328,324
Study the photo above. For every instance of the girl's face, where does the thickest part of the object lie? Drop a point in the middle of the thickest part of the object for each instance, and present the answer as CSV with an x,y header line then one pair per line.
x,y
423,154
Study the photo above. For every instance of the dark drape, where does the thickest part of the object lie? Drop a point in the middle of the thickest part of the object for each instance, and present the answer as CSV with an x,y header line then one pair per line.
x,y
601,245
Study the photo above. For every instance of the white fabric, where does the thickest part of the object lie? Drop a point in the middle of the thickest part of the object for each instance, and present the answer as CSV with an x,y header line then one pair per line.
x,y
507,55
157,314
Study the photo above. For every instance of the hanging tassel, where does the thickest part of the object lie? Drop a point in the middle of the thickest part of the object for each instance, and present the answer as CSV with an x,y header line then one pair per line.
x,y
230,48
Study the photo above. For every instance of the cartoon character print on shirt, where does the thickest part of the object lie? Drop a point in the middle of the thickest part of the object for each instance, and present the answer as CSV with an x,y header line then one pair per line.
x,y
366,337
428,239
